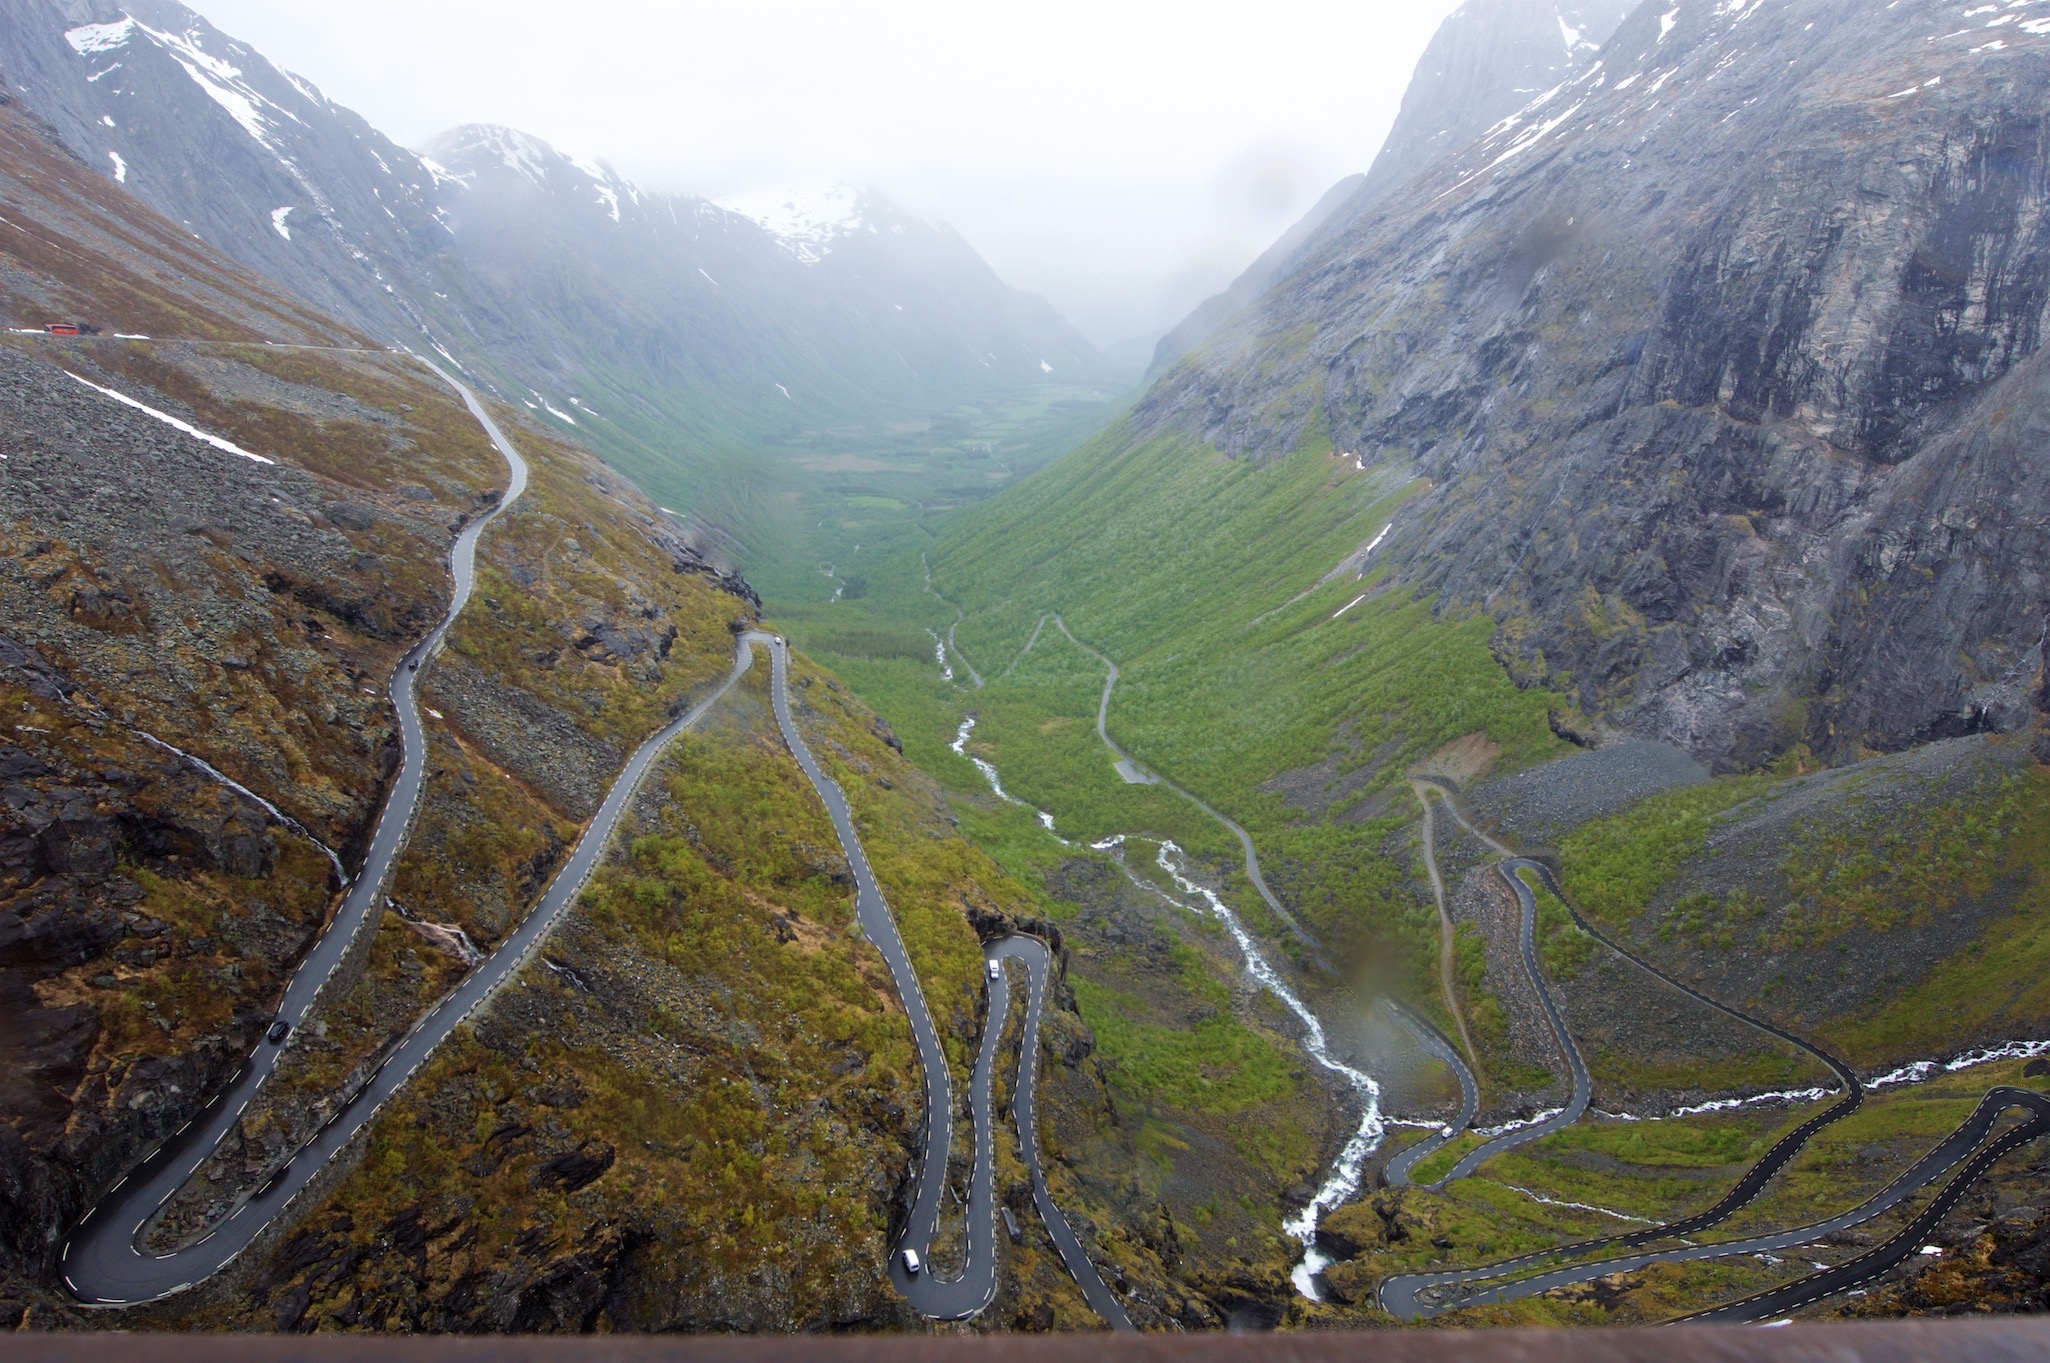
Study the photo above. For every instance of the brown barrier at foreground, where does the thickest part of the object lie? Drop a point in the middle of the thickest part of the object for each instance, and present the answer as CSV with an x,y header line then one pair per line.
x,y
2007,1340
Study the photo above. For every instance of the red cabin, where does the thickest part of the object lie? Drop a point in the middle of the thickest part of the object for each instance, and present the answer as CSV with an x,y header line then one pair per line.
x,y
62,328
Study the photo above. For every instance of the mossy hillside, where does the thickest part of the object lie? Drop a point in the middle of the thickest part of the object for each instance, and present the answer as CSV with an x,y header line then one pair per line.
x,y
1218,1112
493,823
717,1028
1841,1165
1165,554
286,613
1216,1066
1563,949
1186,568
1036,721
582,616
929,875
576,553
1615,865
1654,1171
248,614
2001,982
1878,862
210,945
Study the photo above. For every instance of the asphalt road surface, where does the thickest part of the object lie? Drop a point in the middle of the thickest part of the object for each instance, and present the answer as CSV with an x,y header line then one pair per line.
x,y
963,1296
1435,1043
1417,1295
1910,1238
103,1263
1036,958
1583,1087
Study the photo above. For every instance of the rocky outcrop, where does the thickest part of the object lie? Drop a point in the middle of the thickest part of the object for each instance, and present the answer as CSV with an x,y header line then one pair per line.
x,y
123,1000
1723,360
1487,60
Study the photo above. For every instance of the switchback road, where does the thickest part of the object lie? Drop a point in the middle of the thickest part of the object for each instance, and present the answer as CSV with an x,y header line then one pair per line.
x,y
966,1295
1413,1295
104,1264
1583,1087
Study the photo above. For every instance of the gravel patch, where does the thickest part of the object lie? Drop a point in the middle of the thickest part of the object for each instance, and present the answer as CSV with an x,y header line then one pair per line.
x,y
1540,806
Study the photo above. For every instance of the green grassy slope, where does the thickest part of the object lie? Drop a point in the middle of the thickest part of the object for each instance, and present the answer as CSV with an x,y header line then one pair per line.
x,y
1291,703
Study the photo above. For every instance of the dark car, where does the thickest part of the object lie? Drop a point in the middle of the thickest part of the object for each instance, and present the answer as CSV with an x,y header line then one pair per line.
x,y
278,1031
412,667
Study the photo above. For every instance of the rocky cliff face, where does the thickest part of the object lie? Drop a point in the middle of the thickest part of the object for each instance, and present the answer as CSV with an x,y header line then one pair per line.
x,y
184,627
1724,361
195,631
1487,60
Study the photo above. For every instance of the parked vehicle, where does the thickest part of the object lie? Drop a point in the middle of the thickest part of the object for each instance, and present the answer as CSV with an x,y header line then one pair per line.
x,y
61,328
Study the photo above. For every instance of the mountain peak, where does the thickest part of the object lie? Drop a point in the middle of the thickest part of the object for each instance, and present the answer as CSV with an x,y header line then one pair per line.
x,y
805,222
472,149
467,148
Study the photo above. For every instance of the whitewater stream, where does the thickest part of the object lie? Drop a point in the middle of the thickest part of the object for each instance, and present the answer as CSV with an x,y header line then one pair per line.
x,y
1344,1179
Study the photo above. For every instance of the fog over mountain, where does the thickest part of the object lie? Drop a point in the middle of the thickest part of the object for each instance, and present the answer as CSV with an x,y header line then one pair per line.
x,y
1125,192
937,670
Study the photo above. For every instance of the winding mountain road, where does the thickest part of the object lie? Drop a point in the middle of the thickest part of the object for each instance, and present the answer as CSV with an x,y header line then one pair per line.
x,y
1411,1296
103,1262
1415,1295
1583,1086
1125,759
1434,1043
964,1296
1037,959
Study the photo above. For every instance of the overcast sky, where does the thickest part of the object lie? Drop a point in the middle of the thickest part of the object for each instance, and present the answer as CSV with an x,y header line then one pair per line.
x,y
1124,159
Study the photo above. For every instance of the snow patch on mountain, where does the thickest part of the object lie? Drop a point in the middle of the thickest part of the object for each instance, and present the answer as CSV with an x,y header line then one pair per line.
x,y
607,184
120,167
304,87
88,39
222,82
225,446
277,222
525,156
805,222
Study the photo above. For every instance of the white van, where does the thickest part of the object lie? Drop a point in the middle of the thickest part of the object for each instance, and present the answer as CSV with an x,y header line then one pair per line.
x,y
996,969
911,1262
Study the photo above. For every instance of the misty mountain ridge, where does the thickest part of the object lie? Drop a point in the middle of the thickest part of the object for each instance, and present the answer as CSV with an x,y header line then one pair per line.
x,y
702,332
1594,562
1487,60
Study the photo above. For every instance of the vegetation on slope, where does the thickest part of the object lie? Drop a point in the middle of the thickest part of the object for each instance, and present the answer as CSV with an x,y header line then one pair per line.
x,y
706,1055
